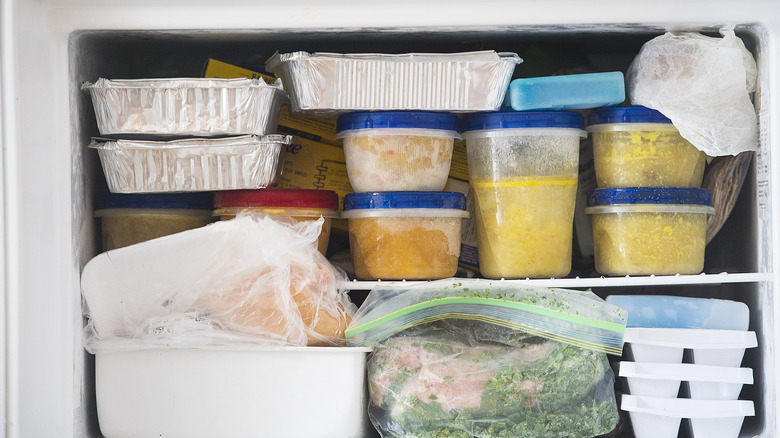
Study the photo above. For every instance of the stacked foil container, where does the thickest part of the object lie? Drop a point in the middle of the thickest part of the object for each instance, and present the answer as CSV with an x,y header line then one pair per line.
x,y
226,123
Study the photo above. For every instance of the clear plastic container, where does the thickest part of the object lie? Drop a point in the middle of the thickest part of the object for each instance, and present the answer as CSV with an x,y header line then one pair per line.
x,y
634,146
666,311
398,151
405,235
300,204
523,174
129,219
649,230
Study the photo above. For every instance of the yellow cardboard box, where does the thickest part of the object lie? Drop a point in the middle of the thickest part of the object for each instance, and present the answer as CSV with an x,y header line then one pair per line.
x,y
458,181
323,130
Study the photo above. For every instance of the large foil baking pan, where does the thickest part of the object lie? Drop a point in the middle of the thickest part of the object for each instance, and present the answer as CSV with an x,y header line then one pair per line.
x,y
334,83
197,107
191,165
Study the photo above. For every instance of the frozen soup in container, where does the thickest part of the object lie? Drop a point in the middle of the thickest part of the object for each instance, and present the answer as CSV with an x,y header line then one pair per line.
x,y
523,171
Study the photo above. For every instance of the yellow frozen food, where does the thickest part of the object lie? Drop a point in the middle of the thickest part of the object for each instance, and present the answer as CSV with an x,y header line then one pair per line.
x,y
125,229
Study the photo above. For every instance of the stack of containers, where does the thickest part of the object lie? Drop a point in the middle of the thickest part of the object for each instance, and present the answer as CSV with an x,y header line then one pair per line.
x,y
649,212
660,329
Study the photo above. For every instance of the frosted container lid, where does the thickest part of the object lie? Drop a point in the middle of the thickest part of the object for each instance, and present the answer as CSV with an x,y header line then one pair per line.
x,y
187,201
525,119
405,204
649,199
626,114
278,197
665,311
398,119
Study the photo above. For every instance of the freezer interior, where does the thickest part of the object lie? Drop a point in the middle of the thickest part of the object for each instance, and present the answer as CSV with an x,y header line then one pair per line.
x,y
743,246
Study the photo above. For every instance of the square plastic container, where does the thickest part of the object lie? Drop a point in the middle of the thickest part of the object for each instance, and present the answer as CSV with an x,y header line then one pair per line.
x,y
655,417
649,230
212,392
704,382
130,219
452,82
665,311
634,146
523,175
191,165
398,151
186,106
567,92
405,235
709,347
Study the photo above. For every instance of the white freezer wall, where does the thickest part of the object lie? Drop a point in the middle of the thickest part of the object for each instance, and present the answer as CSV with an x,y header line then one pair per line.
x,y
44,191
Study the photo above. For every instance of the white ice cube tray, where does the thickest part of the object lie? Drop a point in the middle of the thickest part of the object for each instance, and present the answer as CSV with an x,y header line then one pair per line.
x,y
705,382
708,347
655,417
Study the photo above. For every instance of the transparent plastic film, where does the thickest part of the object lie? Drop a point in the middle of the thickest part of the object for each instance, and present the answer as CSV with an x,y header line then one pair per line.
x,y
254,280
572,317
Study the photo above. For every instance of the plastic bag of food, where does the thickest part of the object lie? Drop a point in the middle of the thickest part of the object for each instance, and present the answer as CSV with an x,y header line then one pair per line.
x,y
489,359
256,279
703,85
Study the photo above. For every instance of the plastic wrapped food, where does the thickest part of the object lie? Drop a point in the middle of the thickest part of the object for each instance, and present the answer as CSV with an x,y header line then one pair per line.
x,y
256,279
191,165
476,359
453,82
188,106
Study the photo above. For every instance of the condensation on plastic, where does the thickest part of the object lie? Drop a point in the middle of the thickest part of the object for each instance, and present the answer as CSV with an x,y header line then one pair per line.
x,y
254,280
334,83
191,165
186,106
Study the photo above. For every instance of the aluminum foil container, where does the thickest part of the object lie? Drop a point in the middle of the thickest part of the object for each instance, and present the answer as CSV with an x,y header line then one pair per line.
x,y
191,165
334,83
197,107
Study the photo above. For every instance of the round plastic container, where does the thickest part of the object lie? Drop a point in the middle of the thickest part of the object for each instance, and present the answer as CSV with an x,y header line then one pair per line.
x,y
649,230
523,174
405,235
300,204
398,150
634,146
127,219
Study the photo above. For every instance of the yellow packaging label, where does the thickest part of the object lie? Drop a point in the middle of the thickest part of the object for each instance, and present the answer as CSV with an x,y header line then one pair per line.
x,y
317,129
458,181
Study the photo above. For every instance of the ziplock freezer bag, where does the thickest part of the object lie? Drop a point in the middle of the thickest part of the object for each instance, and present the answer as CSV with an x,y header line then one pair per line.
x,y
256,279
463,373
702,84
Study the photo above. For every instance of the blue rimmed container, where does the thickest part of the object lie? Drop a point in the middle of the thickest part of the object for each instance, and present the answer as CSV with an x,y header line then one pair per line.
x,y
398,150
649,230
405,235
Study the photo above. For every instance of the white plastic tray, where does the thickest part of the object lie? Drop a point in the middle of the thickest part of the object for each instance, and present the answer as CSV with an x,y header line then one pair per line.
x,y
709,347
705,382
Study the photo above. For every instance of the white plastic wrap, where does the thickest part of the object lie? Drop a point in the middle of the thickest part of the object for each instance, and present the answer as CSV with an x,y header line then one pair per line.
x,y
191,165
456,82
702,84
186,106
256,279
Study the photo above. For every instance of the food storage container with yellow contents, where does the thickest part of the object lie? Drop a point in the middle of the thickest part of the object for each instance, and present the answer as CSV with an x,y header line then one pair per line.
x,y
300,204
649,230
523,174
398,150
405,235
634,146
130,219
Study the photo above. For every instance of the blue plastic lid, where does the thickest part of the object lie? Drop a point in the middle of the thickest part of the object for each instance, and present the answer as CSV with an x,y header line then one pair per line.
x,y
376,200
626,114
398,119
188,201
525,119
649,195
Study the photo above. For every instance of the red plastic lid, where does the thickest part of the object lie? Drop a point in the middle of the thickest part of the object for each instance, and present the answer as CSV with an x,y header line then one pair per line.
x,y
275,197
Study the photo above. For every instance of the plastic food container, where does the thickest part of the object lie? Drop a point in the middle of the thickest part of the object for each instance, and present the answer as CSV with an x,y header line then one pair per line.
x,y
213,392
649,230
398,151
453,82
129,219
188,106
708,347
704,382
405,235
655,417
664,311
638,146
192,165
300,204
582,91
523,174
